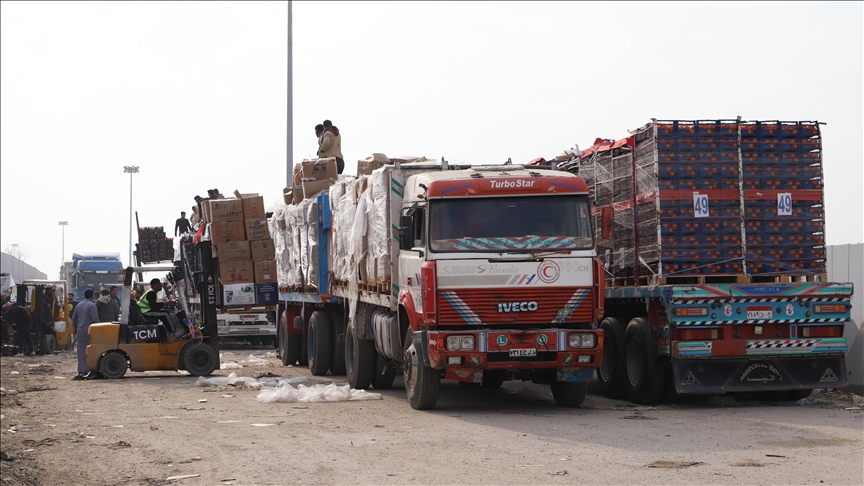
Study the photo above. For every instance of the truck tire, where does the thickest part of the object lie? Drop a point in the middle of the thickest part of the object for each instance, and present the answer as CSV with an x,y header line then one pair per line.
x,y
199,359
569,394
385,373
291,348
337,366
645,378
320,343
359,359
612,373
421,382
303,357
113,365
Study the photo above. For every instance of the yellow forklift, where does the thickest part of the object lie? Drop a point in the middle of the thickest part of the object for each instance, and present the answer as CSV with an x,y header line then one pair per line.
x,y
177,337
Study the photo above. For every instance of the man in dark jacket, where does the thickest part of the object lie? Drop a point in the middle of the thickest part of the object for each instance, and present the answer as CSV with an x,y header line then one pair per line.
x,y
182,224
105,307
23,322
331,145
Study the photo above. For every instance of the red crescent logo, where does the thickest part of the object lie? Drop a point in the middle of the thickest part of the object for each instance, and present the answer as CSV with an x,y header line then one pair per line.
x,y
548,272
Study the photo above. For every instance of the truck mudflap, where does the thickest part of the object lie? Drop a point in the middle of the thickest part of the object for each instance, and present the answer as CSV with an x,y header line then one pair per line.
x,y
723,375
516,349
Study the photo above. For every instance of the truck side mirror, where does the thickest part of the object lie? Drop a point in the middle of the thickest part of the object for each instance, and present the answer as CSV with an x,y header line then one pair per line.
x,y
607,223
406,232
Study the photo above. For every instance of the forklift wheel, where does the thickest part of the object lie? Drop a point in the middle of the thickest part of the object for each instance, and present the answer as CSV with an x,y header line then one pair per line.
x,y
200,359
113,365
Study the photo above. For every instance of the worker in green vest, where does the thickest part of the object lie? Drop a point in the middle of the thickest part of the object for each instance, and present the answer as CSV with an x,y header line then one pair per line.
x,y
148,301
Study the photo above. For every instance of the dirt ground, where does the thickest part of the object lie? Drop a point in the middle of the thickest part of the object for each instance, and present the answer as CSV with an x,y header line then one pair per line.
x,y
148,427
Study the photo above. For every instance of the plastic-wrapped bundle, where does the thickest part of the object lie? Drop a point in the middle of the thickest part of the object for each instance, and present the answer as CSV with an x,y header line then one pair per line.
x,y
337,229
310,266
373,235
359,243
380,246
279,231
293,229
347,206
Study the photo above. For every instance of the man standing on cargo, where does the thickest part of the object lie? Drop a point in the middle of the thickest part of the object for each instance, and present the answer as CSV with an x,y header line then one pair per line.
x,y
331,145
319,134
182,224
85,314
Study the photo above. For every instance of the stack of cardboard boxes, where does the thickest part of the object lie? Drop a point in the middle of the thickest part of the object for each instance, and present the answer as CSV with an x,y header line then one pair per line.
x,y
311,177
247,259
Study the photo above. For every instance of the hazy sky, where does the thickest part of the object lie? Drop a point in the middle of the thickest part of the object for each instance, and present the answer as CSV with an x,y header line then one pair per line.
x,y
195,94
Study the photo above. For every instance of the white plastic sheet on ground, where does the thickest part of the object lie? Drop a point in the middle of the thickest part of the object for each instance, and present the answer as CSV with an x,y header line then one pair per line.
x,y
247,382
284,392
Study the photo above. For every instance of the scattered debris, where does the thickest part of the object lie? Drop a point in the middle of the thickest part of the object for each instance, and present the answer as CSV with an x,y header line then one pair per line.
x,y
748,463
672,464
171,478
119,445
154,427
33,443
773,455
267,375
193,408
262,425
638,417
558,473
230,365
203,400
4,457
284,392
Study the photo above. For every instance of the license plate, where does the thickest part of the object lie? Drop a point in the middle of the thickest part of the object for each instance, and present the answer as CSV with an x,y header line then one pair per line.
x,y
760,313
515,353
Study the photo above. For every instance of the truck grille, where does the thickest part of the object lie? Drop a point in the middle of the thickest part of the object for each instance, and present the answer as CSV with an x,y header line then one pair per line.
x,y
515,306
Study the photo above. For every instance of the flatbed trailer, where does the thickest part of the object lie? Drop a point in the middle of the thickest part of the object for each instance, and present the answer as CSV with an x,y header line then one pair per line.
x,y
783,339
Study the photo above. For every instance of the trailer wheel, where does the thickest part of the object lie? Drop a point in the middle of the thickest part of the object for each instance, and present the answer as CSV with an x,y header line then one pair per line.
x,y
319,342
569,394
113,365
293,345
385,373
644,377
199,359
359,359
303,358
337,367
421,382
612,373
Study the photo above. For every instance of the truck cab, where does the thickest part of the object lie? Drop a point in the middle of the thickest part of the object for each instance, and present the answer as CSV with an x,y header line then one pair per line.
x,y
498,279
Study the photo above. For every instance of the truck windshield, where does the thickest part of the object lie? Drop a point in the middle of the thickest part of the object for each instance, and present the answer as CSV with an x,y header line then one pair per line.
x,y
524,223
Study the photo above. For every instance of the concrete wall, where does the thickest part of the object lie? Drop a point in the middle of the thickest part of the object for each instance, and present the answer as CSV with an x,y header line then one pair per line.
x,y
18,269
846,264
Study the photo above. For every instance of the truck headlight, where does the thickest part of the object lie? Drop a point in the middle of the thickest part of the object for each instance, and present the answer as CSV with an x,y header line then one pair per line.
x,y
467,343
574,340
587,340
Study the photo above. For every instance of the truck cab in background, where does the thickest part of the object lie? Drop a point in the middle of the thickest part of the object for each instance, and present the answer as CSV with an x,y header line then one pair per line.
x,y
93,271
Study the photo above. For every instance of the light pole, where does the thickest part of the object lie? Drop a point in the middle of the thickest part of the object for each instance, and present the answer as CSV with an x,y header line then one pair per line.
x,y
130,169
290,129
63,241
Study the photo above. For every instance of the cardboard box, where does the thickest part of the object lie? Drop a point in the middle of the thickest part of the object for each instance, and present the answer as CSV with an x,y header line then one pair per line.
x,y
236,272
238,294
265,272
224,210
314,187
298,174
253,207
298,193
223,232
267,293
366,166
257,229
288,195
262,250
320,169
234,251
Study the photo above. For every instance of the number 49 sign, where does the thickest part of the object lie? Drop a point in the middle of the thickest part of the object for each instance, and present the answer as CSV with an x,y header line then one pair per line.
x,y
700,205
784,204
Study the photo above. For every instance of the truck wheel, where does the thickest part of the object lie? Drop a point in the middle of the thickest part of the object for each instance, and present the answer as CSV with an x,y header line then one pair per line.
x,y
199,359
421,381
569,394
337,366
113,365
290,352
303,357
359,359
385,373
644,377
612,373
320,343
493,378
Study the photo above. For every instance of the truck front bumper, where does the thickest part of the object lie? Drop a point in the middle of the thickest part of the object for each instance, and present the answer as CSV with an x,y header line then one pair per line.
x,y
753,374
514,349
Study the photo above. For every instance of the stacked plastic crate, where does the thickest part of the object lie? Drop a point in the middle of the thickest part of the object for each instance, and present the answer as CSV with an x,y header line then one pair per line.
x,y
782,196
688,201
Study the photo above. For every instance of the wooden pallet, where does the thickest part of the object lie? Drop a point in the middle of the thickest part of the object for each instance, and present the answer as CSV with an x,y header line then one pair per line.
x,y
384,287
